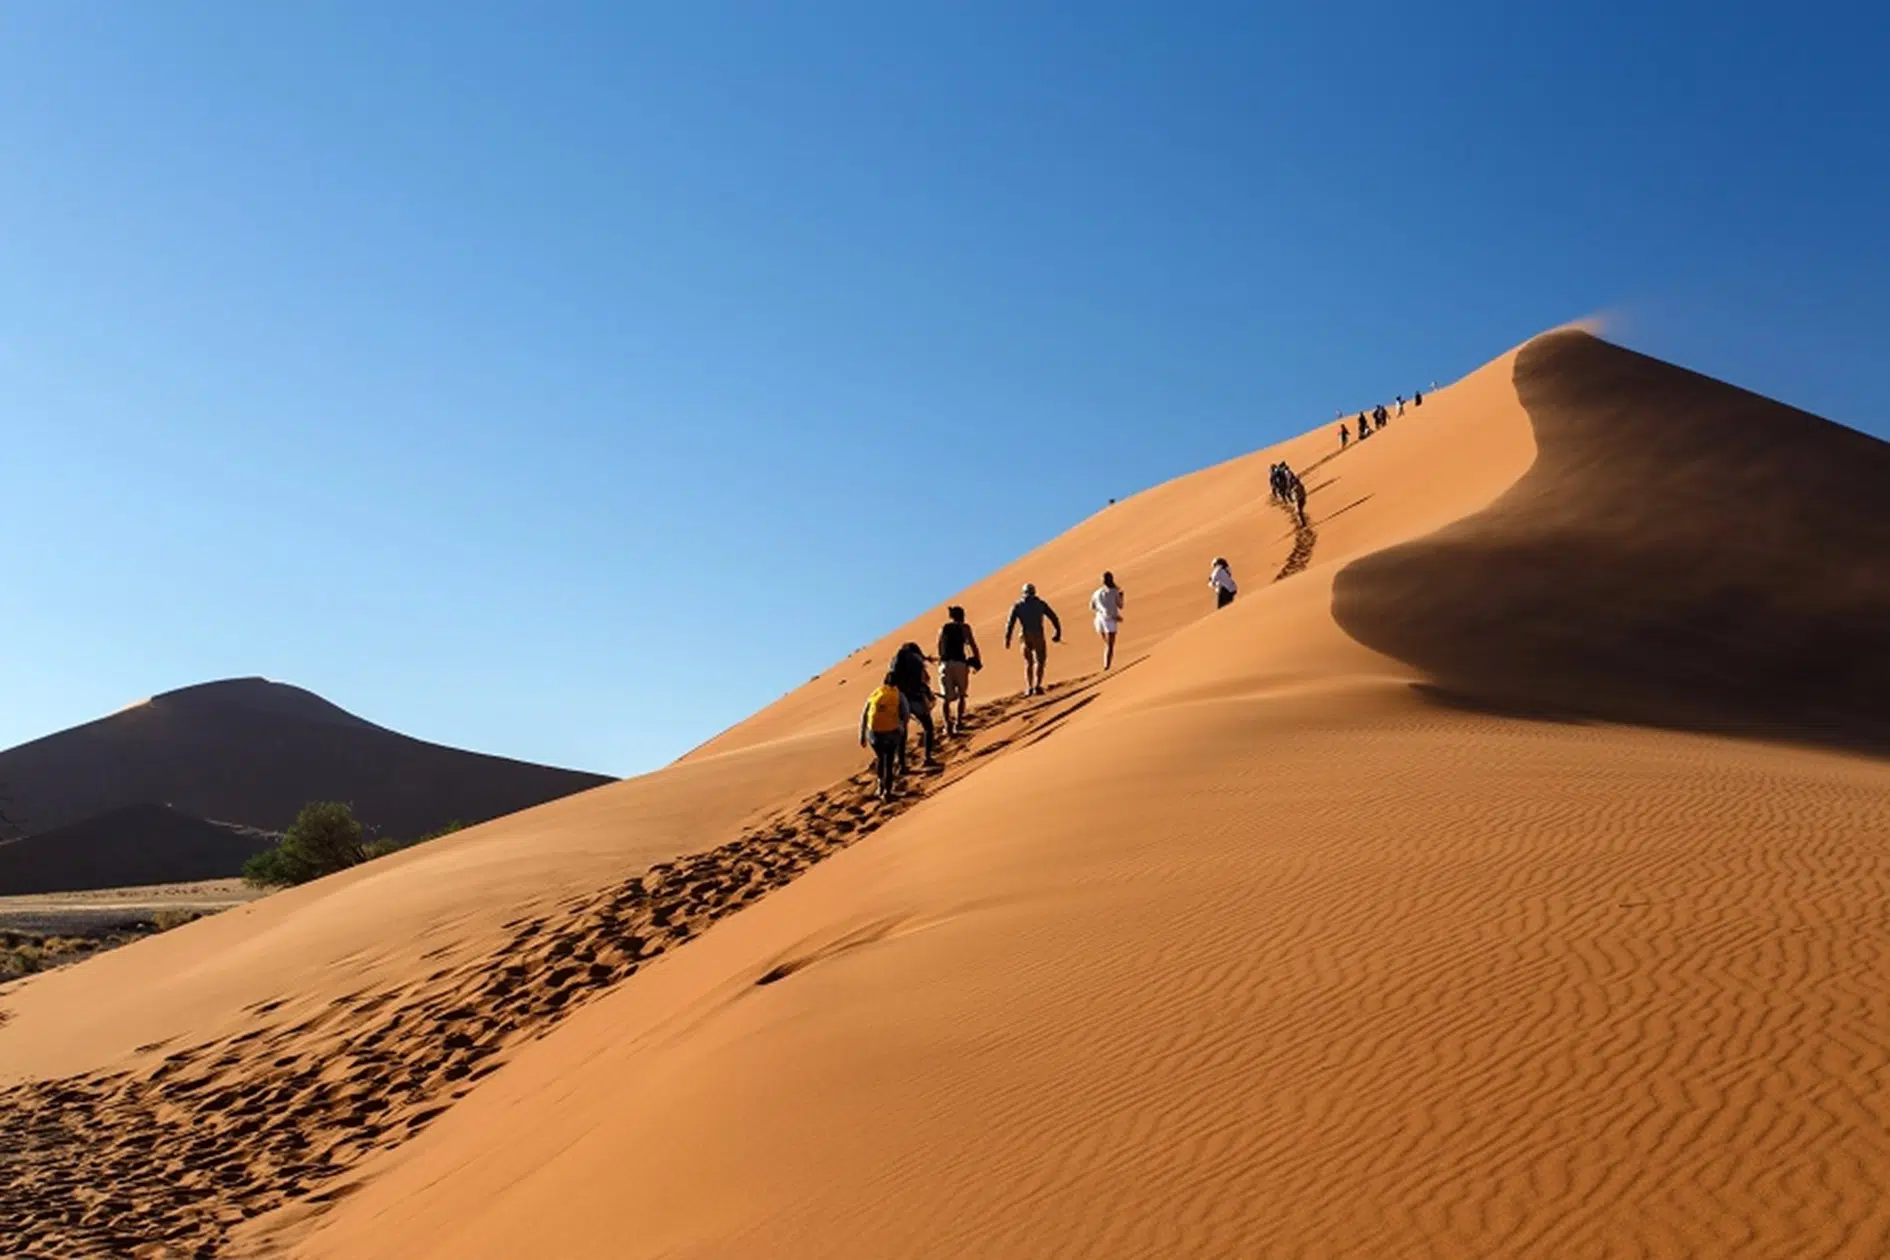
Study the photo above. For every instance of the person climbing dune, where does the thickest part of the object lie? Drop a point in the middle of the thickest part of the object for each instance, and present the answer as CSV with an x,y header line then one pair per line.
x,y
1107,603
1222,582
909,674
957,660
883,725
1028,615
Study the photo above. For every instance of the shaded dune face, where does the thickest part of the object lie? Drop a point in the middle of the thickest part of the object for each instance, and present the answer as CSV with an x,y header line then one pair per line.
x,y
1682,554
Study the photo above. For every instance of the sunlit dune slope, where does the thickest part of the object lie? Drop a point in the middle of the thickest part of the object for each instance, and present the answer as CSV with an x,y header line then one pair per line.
x,y
1261,950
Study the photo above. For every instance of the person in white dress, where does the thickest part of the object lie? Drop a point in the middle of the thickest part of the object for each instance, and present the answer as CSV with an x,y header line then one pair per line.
x,y
1107,603
1222,580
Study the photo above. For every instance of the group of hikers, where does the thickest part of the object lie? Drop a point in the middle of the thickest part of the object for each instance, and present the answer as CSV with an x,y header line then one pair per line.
x,y
1289,489
906,695
1376,419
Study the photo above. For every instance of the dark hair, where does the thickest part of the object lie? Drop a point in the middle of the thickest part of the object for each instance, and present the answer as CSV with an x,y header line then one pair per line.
x,y
890,677
1109,579
956,613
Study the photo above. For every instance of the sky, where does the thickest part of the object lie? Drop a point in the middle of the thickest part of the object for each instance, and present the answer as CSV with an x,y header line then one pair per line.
x,y
569,380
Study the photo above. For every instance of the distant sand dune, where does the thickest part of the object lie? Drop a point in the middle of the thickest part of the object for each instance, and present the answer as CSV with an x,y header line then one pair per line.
x,y
103,803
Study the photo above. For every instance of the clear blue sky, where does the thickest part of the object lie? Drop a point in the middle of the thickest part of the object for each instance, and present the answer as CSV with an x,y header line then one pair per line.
x,y
494,369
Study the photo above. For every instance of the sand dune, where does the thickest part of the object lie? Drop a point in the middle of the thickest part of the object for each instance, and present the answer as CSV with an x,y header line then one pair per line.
x,y
1337,923
130,846
246,752
1683,553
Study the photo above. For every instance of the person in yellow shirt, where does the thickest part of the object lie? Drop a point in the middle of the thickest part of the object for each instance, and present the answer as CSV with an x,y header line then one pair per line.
x,y
883,724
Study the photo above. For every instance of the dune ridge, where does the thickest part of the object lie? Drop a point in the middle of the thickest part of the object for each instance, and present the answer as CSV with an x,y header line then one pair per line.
x,y
1612,582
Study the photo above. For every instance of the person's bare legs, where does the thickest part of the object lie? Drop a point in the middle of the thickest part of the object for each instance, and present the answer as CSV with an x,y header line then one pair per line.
x,y
1109,648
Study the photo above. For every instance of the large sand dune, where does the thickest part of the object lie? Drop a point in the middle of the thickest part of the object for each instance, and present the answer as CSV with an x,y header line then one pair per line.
x,y
246,752
1397,910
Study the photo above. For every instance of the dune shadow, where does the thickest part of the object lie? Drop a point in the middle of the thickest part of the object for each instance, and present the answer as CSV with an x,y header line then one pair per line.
x,y
1683,554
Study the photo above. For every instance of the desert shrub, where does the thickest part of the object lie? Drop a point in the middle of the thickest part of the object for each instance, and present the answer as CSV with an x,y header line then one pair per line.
x,y
21,960
165,920
324,838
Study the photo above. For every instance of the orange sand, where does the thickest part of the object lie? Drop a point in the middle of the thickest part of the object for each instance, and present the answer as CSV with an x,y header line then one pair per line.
x,y
1496,937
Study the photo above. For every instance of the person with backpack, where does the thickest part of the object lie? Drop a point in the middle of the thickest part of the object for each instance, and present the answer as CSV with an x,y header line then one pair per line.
x,y
1028,615
1364,427
957,661
1222,582
909,675
1107,603
883,723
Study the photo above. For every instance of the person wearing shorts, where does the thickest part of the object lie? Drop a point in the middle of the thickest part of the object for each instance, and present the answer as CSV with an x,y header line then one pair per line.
x,y
957,658
1107,603
1027,616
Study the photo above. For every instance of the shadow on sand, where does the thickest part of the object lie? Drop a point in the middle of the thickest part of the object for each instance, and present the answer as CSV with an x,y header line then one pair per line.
x,y
1683,554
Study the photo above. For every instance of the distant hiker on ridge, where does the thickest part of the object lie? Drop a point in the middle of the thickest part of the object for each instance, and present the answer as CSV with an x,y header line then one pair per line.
x,y
1299,501
908,670
1400,404
1027,615
1107,603
1364,427
1222,580
1345,435
884,721
957,658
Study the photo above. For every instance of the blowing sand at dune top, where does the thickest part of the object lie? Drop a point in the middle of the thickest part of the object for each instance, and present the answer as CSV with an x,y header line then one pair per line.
x,y
1505,879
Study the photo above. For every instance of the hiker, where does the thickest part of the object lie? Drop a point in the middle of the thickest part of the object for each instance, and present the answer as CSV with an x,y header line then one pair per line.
x,y
1400,404
1417,399
1027,615
1299,501
1364,427
884,721
908,669
957,658
1107,603
1222,580
1379,416
1345,436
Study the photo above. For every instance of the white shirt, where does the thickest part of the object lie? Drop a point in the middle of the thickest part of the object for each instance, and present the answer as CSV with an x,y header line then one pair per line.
x,y
1222,579
1107,603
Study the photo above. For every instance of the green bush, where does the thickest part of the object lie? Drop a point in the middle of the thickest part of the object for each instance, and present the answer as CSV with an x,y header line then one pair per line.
x,y
324,838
